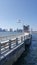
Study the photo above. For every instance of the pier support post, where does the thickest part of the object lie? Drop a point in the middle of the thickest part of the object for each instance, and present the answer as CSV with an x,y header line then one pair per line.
x,y
21,39
16,41
9,44
0,48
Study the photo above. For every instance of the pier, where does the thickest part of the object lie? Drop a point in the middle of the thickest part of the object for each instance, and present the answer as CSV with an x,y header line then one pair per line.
x,y
12,47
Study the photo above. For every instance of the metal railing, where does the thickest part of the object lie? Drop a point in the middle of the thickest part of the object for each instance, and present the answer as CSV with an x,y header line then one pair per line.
x,y
11,42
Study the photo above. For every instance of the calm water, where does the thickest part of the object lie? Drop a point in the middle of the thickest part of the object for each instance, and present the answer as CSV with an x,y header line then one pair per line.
x,y
8,33
29,57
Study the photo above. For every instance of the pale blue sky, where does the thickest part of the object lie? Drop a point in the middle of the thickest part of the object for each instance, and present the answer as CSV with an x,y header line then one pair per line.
x,y
13,10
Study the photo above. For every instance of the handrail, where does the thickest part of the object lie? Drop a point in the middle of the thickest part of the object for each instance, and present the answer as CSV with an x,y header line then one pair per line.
x,y
6,46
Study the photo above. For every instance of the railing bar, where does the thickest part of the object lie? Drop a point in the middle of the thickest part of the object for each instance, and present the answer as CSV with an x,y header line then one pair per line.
x,y
3,52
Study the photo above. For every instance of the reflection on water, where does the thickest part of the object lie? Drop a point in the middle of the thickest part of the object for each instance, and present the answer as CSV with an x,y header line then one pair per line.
x,y
29,57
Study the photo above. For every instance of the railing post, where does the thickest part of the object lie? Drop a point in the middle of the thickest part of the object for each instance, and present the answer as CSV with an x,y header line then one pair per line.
x,y
9,44
0,48
16,41
21,39
24,38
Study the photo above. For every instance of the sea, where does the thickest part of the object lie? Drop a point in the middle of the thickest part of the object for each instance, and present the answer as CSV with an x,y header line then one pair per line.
x,y
4,36
29,57
8,33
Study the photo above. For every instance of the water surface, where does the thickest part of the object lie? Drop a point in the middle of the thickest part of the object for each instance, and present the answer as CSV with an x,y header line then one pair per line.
x,y
29,57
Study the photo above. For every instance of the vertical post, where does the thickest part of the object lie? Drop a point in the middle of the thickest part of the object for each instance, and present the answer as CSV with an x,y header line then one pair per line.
x,y
21,39
0,48
16,41
9,44
24,38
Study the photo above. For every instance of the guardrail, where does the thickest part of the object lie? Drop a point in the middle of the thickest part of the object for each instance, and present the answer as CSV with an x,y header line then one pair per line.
x,y
11,43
